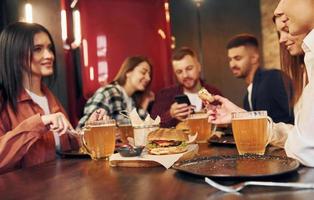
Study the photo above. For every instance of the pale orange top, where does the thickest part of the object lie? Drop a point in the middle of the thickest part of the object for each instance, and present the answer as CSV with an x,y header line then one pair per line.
x,y
24,139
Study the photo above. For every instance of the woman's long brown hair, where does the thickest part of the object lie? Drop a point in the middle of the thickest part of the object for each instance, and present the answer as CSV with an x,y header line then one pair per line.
x,y
128,65
294,67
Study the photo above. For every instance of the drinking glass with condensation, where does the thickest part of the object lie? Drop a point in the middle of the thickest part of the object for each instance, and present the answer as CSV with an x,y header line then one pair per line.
x,y
99,138
125,129
198,123
251,131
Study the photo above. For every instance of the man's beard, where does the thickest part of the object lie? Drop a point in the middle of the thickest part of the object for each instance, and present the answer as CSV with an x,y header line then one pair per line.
x,y
240,74
186,83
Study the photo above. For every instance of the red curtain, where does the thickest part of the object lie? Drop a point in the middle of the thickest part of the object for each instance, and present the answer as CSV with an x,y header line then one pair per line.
x,y
114,30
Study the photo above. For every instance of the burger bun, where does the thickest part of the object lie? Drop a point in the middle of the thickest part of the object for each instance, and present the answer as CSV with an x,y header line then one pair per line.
x,y
166,138
167,134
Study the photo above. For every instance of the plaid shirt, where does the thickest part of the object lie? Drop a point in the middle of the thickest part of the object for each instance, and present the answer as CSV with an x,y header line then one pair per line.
x,y
112,99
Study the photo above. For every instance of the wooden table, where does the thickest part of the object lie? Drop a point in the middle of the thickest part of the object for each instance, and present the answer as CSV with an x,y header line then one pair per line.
x,y
88,179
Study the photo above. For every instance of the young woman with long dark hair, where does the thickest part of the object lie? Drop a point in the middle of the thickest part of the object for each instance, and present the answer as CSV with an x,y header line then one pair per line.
x,y
32,121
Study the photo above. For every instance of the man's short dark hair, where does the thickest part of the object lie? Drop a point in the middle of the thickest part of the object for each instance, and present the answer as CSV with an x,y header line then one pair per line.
x,y
242,40
183,51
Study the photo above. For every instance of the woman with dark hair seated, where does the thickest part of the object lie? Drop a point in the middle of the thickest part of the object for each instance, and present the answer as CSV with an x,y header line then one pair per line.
x,y
32,121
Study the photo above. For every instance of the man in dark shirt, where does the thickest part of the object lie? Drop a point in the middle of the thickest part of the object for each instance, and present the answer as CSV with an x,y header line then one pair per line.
x,y
266,89
187,69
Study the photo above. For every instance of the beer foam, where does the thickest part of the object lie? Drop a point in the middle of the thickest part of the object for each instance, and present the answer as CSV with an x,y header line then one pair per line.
x,y
100,125
198,116
249,117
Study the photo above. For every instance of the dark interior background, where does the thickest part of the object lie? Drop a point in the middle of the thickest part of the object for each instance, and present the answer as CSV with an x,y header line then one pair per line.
x,y
219,20
48,14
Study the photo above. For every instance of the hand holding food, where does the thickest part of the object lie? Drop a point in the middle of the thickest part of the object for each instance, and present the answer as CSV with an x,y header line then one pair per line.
x,y
221,114
205,96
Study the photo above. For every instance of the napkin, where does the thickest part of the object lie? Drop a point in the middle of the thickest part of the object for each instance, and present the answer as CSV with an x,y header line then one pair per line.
x,y
165,160
142,127
137,121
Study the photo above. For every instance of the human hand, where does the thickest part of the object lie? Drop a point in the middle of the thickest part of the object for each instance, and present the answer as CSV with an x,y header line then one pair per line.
x,y
181,111
147,98
221,114
57,122
97,115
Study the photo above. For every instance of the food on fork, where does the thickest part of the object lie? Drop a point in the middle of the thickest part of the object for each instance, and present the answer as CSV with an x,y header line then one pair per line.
x,y
206,96
167,141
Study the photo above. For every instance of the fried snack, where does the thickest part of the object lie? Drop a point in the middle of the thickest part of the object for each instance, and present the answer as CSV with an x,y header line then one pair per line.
x,y
206,96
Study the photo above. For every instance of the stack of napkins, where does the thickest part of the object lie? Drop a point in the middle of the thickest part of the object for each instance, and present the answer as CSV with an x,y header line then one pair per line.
x,y
142,128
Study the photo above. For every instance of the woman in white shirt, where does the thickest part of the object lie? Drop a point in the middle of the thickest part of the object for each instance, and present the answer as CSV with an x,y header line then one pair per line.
x,y
292,63
300,20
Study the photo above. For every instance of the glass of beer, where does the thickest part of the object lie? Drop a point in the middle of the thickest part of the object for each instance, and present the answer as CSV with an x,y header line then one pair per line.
x,y
99,138
251,131
198,123
125,130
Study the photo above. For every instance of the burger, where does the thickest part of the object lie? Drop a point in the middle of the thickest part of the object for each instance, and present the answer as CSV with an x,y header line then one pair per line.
x,y
206,96
167,141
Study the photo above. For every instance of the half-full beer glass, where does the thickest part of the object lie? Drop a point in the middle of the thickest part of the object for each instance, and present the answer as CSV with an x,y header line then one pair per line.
x,y
99,138
125,130
198,123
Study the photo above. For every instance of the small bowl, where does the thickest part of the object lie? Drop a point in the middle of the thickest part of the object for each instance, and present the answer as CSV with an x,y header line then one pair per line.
x,y
129,151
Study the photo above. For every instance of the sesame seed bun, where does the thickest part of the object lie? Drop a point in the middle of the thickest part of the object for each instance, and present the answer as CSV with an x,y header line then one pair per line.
x,y
167,141
167,134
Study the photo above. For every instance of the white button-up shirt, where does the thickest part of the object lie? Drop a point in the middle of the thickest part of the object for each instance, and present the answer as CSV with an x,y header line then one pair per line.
x,y
300,140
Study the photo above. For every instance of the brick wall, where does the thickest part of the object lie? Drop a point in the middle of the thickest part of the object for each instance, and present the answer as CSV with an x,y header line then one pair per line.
x,y
269,35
